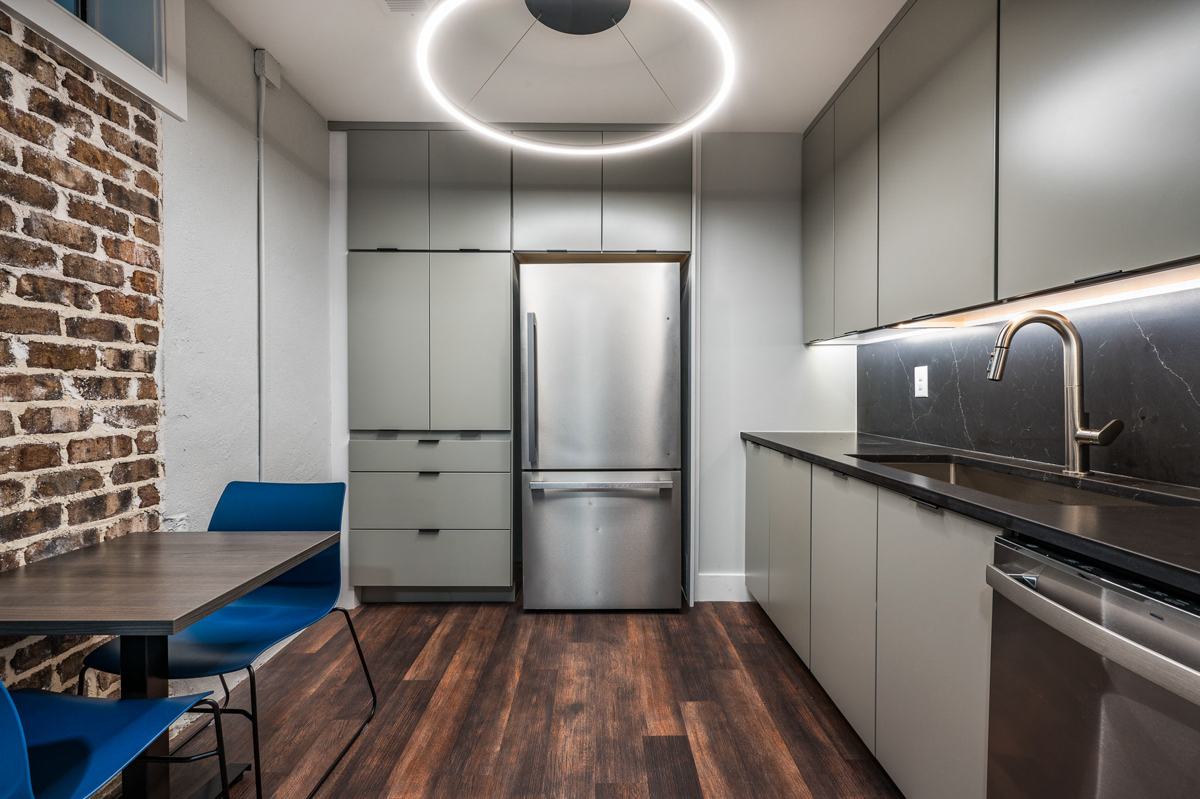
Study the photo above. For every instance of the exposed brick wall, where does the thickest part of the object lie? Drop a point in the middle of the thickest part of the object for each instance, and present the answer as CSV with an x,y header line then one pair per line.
x,y
80,317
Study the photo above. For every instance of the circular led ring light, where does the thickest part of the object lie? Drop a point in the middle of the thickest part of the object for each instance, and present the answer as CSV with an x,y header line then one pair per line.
x,y
696,8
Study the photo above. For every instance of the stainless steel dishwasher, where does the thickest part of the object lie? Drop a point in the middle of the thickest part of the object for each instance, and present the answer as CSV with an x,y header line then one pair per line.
x,y
1095,688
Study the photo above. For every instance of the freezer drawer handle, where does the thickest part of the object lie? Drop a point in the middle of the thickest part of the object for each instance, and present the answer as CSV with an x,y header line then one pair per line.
x,y
532,383
642,484
1142,661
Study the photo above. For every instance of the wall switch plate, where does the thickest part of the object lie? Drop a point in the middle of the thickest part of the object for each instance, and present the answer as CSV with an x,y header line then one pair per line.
x,y
921,381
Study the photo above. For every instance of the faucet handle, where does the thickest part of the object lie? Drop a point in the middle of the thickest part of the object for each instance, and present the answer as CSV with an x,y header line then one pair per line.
x,y
1102,437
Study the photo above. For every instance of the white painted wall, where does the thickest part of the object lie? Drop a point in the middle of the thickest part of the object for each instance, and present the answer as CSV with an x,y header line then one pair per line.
x,y
754,372
209,356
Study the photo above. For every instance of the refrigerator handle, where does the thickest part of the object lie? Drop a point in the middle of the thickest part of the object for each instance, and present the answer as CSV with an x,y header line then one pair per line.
x,y
531,423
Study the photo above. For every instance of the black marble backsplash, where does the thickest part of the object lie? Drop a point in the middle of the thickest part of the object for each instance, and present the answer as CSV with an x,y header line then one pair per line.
x,y
1141,364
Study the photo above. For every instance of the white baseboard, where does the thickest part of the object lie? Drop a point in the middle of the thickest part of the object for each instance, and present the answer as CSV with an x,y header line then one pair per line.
x,y
722,588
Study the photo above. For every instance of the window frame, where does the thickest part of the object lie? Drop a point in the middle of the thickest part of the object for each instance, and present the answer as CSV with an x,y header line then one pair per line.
x,y
167,92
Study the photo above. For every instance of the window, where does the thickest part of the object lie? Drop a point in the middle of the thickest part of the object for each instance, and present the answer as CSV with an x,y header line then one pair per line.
x,y
133,25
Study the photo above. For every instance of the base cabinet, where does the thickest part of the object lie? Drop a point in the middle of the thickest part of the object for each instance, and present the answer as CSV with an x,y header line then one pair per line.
x,y
758,524
934,633
790,548
843,595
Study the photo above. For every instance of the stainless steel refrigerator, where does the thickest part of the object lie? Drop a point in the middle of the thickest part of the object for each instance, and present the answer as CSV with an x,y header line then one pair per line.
x,y
601,435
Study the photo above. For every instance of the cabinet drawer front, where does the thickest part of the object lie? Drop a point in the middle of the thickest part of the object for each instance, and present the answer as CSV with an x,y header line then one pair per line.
x,y
429,455
459,558
446,501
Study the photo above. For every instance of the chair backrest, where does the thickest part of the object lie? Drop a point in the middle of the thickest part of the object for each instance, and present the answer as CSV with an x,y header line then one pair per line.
x,y
295,507
15,782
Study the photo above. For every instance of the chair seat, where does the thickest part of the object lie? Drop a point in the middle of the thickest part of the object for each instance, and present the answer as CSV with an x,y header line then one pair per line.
x,y
77,744
230,639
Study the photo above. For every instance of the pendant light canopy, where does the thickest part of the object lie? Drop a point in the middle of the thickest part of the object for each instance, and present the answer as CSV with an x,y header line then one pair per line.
x,y
580,18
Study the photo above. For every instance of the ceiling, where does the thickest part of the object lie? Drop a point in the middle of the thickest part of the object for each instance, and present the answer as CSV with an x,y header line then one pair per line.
x,y
354,62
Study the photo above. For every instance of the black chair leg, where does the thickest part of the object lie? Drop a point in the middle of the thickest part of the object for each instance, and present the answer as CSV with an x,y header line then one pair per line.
x,y
79,687
374,703
221,758
254,733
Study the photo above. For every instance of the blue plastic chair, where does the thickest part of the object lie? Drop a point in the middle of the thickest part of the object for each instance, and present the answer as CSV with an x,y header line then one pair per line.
x,y
68,747
232,638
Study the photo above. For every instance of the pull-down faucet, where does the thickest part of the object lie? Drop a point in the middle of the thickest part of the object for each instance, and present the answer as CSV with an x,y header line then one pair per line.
x,y
1077,436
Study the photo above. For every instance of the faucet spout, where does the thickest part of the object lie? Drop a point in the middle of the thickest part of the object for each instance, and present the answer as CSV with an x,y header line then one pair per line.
x,y
1077,437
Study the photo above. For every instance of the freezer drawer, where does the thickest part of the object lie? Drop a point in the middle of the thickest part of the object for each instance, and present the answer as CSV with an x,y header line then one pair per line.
x,y
447,558
601,540
445,501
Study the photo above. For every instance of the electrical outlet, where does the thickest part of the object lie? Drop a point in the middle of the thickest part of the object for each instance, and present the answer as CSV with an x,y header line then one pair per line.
x,y
921,381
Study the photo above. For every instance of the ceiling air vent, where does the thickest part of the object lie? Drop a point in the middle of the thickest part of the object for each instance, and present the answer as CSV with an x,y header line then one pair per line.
x,y
391,7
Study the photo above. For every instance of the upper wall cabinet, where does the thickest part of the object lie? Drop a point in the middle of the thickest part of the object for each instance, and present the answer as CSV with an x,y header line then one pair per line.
x,y
388,184
816,216
937,144
856,202
556,200
648,198
470,197
1099,124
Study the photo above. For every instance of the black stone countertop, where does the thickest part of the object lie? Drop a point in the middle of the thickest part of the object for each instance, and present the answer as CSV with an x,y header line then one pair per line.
x,y
1159,543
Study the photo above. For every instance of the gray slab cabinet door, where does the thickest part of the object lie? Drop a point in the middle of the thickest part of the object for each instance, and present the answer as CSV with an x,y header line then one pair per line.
x,y
856,202
790,545
934,639
937,159
816,217
844,512
470,192
388,303
388,189
1099,124
470,341
758,529
556,200
648,197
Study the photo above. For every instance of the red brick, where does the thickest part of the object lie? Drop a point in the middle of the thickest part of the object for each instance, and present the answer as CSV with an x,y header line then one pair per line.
x,y
62,484
62,419
18,252
30,388
89,154
147,442
146,334
37,650
147,389
129,360
130,415
20,319
43,355
132,201
144,282
145,128
27,62
66,174
6,26
11,492
114,302
148,496
85,95
59,54
7,426
97,271
60,231
124,95
127,146
29,457
12,559
134,471
39,288
60,545
6,90
105,506
102,388
23,524
106,448
40,680
97,329
132,253
147,231
60,113
26,125
147,182
8,218
99,215
27,190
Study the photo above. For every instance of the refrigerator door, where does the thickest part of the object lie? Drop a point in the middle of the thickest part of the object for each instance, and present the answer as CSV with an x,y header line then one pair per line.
x,y
602,540
600,362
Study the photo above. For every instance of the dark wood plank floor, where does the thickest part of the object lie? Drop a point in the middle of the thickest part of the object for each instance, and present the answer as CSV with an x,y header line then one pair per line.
x,y
491,701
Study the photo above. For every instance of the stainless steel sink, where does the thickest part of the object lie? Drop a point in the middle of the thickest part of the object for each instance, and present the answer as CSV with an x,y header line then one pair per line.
x,y
1030,490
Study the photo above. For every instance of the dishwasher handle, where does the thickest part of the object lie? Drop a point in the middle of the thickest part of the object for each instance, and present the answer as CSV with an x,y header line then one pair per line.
x,y
600,486
1181,680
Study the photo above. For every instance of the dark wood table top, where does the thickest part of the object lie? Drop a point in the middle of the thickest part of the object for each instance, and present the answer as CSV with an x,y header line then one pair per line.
x,y
147,583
